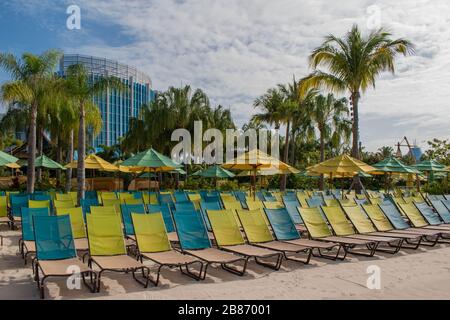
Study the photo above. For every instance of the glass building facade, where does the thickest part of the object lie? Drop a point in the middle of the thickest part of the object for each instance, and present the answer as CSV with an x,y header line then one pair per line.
x,y
116,107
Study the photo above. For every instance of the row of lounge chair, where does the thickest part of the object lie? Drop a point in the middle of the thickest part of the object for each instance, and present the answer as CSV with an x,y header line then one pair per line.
x,y
224,233
355,229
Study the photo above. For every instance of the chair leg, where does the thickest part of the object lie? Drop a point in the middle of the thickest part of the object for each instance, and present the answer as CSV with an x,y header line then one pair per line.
x,y
372,249
226,267
330,256
93,279
408,244
430,243
304,261
396,247
190,273
147,278
275,266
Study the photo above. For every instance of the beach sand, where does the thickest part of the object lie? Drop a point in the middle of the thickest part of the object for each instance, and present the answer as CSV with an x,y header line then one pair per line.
x,y
419,274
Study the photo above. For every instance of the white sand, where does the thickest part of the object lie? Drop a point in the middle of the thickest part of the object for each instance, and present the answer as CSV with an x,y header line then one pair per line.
x,y
420,274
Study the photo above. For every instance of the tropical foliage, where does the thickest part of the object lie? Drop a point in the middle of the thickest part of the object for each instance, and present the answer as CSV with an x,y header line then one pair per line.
x,y
173,109
315,119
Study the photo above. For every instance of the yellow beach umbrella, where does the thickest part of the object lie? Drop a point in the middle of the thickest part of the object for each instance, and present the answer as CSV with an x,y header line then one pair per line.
x,y
255,160
93,162
13,166
270,171
341,166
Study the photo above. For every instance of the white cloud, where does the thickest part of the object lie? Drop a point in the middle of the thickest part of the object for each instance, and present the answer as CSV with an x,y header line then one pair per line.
x,y
236,49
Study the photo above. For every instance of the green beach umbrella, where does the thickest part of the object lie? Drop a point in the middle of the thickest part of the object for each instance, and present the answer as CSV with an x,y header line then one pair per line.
x,y
430,167
45,162
178,170
214,172
6,159
150,161
391,166
362,174
148,175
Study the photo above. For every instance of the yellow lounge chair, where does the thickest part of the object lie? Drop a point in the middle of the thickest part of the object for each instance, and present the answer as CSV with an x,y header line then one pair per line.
x,y
364,226
228,237
258,234
318,229
343,227
107,248
153,244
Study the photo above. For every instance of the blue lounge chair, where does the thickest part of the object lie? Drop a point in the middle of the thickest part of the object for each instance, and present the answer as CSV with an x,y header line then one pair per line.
x,y
167,216
127,210
429,237
315,202
26,243
284,229
55,251
442,208
194,240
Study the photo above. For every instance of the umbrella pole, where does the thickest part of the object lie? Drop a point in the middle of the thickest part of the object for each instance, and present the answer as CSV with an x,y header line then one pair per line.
x,y
148,188
92,179
254,183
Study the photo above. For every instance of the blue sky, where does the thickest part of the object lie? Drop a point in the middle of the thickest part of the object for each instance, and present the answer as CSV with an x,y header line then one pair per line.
x,y
234,50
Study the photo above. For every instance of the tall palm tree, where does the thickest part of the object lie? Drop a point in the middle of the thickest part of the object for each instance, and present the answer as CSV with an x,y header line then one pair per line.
x,y
354,62
294,109
31,77
329,116
270,105
277,106
82,90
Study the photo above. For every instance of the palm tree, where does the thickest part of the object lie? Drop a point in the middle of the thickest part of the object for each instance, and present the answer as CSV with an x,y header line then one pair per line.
x,y
278,105
79,87
270,105
385,152
329,116
31,79
354,62
294,109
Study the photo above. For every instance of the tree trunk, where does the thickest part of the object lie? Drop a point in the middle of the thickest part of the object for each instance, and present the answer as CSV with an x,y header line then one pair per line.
x,y
285,157
69,160
177,181
292,162
31,174
59,160
81,172
322,158
40,146
355,142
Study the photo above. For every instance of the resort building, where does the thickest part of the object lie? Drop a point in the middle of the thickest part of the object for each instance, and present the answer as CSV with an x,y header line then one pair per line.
x,y
116,107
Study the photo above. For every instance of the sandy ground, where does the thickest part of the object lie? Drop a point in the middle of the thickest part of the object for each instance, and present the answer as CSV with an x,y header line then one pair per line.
x,y
420,274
